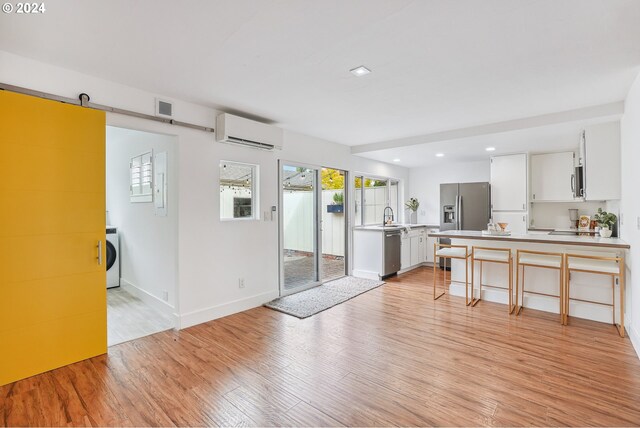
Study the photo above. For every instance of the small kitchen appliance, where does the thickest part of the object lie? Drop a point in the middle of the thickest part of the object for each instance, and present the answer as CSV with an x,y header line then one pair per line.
x,y
573,218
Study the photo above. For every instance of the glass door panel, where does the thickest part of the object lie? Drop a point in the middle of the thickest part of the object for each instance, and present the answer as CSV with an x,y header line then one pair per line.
x,y
332,215
300,267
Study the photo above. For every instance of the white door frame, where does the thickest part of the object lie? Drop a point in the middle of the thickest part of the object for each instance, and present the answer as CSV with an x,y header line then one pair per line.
x,y
317,226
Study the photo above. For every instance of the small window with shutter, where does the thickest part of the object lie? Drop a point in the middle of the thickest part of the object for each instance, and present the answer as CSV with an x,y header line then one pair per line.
x,y
141,178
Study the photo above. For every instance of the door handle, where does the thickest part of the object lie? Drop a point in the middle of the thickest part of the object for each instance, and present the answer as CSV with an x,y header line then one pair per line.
x,y
573,184
99,253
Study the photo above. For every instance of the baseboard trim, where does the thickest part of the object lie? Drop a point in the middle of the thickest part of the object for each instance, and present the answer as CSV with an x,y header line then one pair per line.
x,y
214,312
365,274
151,300
423,264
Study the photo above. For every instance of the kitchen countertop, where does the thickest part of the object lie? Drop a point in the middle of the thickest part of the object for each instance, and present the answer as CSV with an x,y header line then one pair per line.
x,y
594,241
396,226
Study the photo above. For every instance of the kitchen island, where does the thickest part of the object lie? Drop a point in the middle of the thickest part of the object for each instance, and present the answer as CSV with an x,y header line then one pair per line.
x,y
584,286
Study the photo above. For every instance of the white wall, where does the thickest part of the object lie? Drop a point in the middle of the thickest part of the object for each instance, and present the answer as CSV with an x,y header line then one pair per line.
x,y
148,243
212,255
425,184
630,207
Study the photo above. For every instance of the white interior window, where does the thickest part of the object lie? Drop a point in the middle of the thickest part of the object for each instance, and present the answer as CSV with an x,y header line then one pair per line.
x,y
238,191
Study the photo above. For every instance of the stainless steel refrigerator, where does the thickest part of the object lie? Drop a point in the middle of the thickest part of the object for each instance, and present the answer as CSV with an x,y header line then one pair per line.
x,y
464,206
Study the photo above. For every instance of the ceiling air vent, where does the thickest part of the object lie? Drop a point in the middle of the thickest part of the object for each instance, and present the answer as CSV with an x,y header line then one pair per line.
x,y
164,108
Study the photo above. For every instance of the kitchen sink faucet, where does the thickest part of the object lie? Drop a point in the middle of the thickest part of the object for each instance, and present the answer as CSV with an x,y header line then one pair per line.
x,y
385,216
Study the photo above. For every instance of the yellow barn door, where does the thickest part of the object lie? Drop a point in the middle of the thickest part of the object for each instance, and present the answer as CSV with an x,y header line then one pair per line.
x,y
52,219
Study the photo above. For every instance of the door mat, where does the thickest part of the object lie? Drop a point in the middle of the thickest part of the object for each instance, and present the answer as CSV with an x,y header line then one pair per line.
x,y
323,297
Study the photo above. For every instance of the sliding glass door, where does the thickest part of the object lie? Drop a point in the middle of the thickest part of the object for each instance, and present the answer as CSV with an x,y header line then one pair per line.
x,y
299,201
312,224
332,224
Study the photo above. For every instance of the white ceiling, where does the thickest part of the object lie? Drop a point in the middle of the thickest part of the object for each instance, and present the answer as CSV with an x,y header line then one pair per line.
x,y
437,64
556,138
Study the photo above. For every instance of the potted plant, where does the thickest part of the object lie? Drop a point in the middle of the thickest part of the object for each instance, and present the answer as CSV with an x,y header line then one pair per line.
x,y
338,203
605,221
412,205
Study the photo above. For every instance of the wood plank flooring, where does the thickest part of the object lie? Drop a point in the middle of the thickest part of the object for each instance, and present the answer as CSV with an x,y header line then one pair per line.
x,y
391,356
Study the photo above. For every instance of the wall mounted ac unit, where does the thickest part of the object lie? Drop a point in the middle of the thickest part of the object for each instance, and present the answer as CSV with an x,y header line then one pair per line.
x,y
238,130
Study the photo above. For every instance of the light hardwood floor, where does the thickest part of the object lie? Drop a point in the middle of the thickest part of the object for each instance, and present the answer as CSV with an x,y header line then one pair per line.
x,y
391,356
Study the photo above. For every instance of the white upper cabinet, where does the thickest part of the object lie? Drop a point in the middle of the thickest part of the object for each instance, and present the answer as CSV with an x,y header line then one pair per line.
x,y
516,222
509,182
602,156
552,177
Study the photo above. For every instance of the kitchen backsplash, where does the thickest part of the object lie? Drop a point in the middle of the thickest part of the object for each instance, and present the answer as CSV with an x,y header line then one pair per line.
x,y
555,215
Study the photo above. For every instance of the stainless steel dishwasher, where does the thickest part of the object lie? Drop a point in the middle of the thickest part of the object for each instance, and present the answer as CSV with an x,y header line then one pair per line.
x,y
391,252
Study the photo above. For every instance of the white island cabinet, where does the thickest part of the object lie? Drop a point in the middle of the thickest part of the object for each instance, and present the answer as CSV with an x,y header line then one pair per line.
x,y
584,286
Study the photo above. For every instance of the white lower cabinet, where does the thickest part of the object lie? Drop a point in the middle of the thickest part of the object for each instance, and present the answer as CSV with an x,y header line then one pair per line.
x,y
415,244
413,248
405,252
422,253
429,255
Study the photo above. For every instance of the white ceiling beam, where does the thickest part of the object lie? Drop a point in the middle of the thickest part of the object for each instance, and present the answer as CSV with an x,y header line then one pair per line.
x,y
615,109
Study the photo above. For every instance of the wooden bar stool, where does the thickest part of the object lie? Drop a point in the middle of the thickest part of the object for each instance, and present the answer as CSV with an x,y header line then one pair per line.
x,y
540,259
492,255
613,266
446,251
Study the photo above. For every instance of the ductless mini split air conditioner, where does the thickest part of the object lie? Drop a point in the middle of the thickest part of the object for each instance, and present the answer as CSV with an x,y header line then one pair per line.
x,y
238,130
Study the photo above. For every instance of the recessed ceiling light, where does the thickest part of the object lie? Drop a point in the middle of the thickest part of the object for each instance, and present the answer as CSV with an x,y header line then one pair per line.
x,y
490,149
439,155
396,160
360,71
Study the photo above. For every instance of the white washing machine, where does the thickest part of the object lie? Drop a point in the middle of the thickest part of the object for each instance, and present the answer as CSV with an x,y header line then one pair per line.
x,y
113,259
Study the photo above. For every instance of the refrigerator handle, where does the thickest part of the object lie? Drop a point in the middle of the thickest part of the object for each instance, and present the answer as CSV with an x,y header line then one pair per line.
x,y
458,211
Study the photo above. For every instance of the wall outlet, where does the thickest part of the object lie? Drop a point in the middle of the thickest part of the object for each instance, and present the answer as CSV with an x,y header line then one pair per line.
x,y
165,296
638,220
241,283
